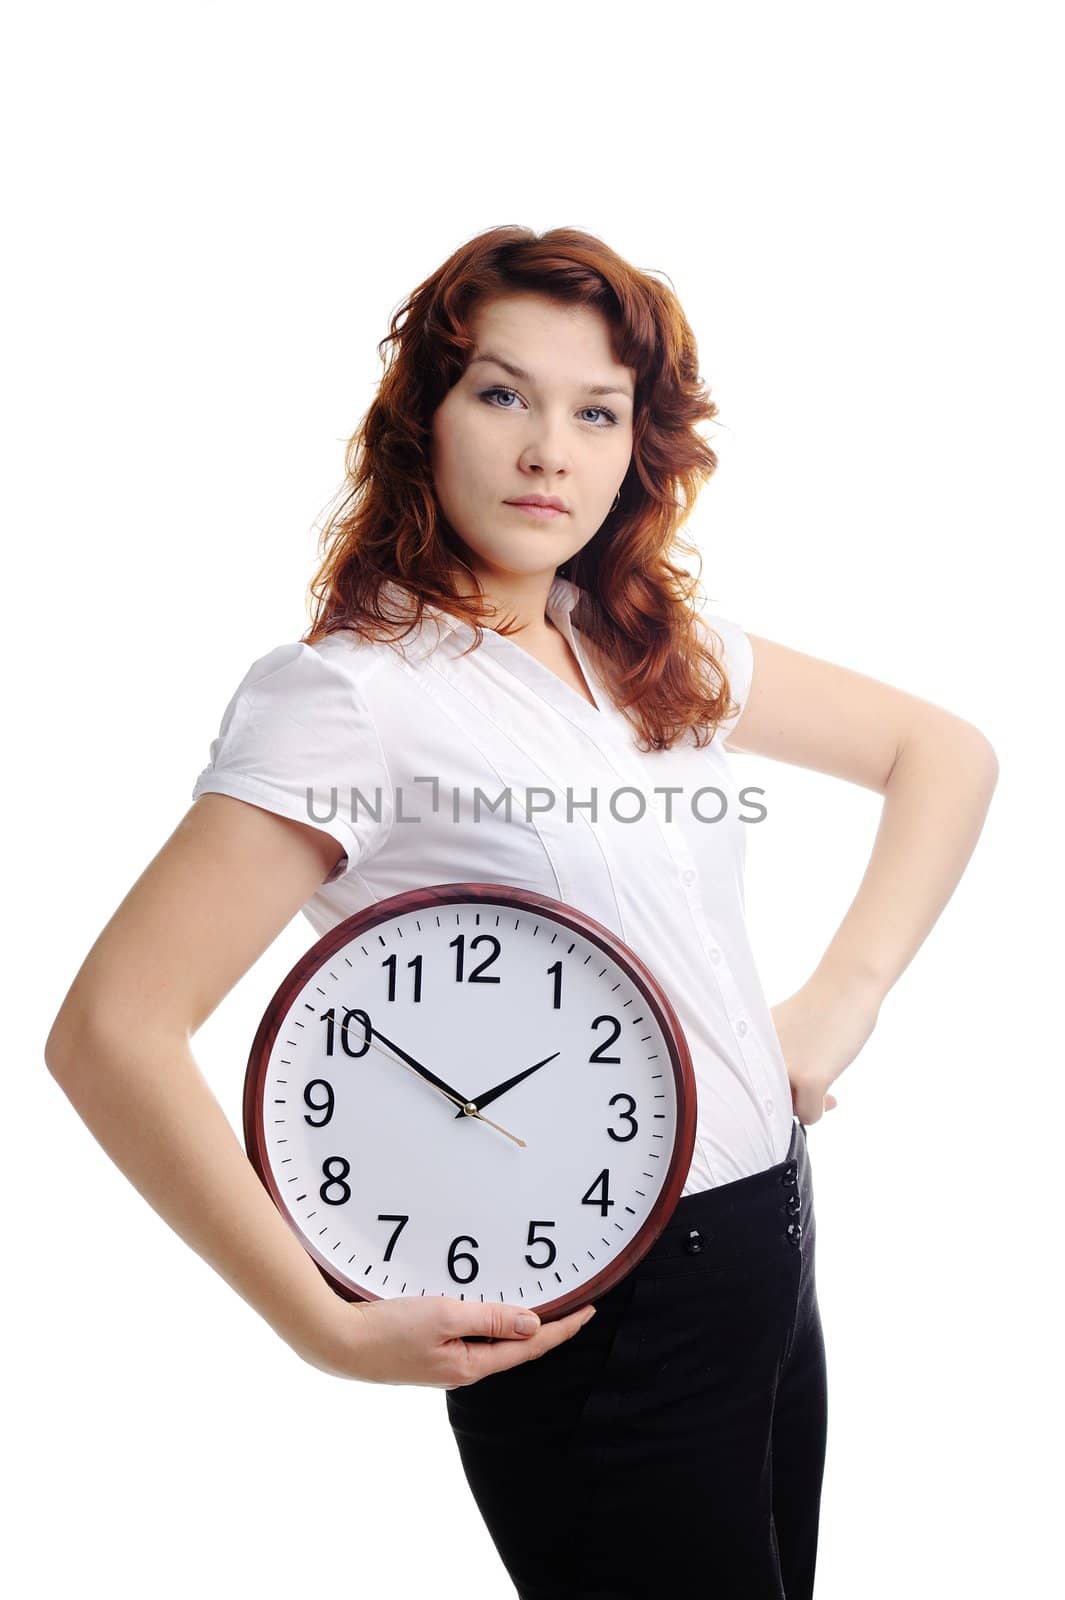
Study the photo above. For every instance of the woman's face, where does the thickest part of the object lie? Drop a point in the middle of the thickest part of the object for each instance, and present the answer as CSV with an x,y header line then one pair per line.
x,y
499,435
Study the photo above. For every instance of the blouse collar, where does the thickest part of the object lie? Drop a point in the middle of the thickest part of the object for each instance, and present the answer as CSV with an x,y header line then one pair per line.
x,y
604,718
561,599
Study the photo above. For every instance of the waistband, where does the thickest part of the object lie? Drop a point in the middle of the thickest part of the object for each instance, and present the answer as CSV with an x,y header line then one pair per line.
x,y
723,1223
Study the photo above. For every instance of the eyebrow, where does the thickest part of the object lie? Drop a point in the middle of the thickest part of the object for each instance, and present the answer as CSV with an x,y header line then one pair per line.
x,y
527,377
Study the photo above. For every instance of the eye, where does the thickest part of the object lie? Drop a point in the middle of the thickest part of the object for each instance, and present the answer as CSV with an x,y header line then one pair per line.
x,y
502,389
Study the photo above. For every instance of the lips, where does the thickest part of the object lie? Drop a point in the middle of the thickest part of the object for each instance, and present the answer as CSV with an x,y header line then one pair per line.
x,y
534,510
550,501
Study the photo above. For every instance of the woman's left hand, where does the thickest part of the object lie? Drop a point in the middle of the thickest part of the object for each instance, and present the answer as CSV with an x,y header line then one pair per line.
x,y
821,1029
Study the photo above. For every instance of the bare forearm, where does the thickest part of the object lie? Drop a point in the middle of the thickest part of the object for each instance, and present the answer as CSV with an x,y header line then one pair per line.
x,y
148,1105
935,803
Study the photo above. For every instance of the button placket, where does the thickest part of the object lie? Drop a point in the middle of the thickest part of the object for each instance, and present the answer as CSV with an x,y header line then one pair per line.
x,y
734,1006
610,730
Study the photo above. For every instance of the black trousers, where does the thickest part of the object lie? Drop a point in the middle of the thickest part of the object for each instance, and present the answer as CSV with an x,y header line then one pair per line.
x,y
678,1438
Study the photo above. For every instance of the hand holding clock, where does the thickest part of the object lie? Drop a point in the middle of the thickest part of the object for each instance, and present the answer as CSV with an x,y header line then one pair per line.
x,y
423,1340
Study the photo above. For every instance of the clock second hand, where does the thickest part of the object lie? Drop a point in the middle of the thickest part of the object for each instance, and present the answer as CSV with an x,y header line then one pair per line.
x,y
467,1105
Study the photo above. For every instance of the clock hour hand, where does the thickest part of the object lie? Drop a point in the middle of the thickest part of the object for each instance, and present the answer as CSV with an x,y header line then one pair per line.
x,y
501,1088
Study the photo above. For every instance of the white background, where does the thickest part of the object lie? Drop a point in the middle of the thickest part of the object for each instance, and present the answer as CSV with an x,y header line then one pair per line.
x,y
212,211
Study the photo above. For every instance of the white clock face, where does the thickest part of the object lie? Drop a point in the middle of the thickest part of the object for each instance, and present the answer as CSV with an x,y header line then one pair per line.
x,y
394,1187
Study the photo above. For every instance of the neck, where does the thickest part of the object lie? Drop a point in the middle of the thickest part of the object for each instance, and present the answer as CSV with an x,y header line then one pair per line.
x,y
524,598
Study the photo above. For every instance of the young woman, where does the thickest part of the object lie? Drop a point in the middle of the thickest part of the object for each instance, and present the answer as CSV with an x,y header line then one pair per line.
x,y
501,604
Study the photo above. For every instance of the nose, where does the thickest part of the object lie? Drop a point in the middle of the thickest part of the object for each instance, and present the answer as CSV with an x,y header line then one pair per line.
x,y
546,453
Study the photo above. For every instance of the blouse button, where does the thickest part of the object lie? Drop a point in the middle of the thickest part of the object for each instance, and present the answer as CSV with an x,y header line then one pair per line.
x,y
688,876
715,956
769,1105
741,1028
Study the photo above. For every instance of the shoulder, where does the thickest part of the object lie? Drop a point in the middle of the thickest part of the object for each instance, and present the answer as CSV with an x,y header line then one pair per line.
x,y
295,674
730,643
732,649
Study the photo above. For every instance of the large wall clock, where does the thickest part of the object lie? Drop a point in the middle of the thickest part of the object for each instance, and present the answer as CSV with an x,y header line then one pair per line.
x,y
476,1091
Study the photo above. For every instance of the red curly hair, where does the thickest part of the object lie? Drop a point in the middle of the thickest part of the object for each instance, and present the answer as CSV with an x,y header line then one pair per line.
x,y
636,602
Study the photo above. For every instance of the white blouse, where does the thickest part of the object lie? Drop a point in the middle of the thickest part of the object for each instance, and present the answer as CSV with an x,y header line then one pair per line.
x,y
411,756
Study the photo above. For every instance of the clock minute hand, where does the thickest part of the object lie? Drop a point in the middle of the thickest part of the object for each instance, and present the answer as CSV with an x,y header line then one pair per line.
x,y
430,1077
501,1088
466,1108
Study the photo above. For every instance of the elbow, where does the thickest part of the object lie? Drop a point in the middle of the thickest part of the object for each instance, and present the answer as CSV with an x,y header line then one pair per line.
x,y
71,1034
964,739
979,763
57,1044
983,753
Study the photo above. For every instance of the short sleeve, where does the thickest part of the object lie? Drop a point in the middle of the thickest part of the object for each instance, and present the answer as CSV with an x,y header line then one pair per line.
x,y
738,663
298,739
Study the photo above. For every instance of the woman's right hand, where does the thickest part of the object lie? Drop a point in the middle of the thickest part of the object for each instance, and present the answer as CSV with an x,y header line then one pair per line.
x,y
415,1339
